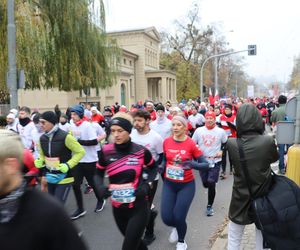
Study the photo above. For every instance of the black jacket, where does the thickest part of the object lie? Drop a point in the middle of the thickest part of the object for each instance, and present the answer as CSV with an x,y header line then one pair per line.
x,y
40,224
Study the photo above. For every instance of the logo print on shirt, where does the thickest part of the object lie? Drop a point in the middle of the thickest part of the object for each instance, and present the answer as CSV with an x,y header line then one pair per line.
x,y
132,161
208,140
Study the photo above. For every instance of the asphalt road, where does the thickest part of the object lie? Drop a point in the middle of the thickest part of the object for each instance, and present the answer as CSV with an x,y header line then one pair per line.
x,y
101,233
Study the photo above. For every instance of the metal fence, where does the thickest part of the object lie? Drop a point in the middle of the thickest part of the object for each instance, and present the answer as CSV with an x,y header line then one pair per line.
x,y
4,109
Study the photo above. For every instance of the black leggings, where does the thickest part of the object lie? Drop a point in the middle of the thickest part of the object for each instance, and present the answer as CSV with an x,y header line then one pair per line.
x,y
132,222
224,160
86,170
153,214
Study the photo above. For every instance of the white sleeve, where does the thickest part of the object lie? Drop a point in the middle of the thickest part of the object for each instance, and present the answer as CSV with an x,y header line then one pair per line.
x,y
224,136
159,145
195,136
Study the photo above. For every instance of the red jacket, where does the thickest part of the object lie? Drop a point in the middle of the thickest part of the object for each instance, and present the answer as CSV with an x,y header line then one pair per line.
x,y
29,167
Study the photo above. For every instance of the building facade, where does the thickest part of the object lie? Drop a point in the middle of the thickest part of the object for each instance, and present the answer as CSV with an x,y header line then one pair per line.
x,y
139,77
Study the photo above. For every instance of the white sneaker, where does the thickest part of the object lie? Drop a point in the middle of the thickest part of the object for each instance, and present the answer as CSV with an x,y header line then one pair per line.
x,y
181,246
173,236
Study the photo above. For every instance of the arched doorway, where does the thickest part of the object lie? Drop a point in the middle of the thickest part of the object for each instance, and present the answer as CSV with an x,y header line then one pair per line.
x,y
123,94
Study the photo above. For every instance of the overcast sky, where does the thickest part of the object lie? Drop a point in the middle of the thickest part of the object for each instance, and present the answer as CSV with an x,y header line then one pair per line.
x,y
273,25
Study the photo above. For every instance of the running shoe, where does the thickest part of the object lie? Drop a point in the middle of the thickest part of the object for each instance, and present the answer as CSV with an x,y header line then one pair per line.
x,y
222,176
148,239
173,236
181,246
100,205
88,189
209,211
77,214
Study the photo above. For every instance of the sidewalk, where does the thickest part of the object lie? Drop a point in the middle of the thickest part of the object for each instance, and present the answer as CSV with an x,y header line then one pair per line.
x,y
248,241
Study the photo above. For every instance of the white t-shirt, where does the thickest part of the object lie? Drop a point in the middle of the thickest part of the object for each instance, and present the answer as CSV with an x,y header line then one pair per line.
x,y
85,131
163,128
210,141
65,127
197,119
151,141
99,131
26,134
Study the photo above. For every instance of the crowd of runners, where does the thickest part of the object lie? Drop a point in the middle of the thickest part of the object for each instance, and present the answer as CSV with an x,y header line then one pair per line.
x,y
135,148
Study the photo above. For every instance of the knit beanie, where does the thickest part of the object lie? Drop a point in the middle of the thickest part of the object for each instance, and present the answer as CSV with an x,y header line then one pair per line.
x,y
123,123
78,109
180,119
49,116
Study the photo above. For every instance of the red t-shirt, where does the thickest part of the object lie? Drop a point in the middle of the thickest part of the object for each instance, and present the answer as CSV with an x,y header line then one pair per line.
x,y
177,152
97,118
231,133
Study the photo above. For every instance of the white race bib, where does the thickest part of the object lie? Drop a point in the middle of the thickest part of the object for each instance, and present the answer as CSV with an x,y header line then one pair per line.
x,y
123,193
52,163
175,173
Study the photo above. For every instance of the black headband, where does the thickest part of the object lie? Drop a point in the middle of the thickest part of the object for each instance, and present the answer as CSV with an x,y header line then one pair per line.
x,y
123,123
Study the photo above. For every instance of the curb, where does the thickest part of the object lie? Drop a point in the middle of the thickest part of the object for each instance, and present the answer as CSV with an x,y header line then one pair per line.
x,y
221,242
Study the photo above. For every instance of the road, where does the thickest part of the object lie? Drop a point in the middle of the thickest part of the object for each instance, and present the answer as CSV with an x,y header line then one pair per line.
x,y
101,233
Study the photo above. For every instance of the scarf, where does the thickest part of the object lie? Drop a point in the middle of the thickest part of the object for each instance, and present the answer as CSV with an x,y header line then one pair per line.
x,y
24,121
9,204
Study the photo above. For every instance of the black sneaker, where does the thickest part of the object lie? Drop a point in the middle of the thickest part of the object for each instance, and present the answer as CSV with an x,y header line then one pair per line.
x,y
77,214
148,239
100,205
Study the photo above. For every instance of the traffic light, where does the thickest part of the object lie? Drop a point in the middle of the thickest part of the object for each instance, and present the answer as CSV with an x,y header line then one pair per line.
x,y
251,50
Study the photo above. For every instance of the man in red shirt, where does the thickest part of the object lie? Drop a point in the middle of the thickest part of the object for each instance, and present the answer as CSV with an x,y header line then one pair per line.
x,y
96,115
150,109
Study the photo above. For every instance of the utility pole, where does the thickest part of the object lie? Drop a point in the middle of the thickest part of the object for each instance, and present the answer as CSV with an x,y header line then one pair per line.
x,y
216,70
251,51
12,64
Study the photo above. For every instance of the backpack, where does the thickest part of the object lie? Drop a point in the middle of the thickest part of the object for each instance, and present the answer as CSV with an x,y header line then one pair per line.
x,y
276,214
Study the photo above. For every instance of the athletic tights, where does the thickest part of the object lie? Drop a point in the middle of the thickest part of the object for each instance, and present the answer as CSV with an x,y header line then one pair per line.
x,y
132,222
176,200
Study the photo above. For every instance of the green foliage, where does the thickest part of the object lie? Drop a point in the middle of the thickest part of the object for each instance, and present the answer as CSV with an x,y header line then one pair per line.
x,y
61,43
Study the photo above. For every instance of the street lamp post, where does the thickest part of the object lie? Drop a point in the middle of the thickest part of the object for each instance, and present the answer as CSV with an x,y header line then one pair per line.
x,y
12,64
214,56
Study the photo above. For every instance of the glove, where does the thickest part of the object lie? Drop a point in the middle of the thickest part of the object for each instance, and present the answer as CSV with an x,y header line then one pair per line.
x,y
39,163
142,190
106,193
186,165
63,167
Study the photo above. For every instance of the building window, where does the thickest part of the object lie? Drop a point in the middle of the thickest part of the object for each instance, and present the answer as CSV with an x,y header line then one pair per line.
x,y
131,88
97,91
130,63
80,93
124,61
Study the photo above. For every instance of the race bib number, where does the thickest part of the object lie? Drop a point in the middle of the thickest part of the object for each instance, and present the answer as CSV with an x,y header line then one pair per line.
x,y
175,173
123,193
52,163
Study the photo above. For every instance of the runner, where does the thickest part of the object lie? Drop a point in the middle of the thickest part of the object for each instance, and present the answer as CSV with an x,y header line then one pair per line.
x,y
228,124
59,153
83,131
196,119
131,171
179,185
26,128
143,135
162,125
210,139
29,219
11,122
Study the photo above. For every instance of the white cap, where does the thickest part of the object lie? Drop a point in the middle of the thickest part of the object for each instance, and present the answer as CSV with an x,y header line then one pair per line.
x,y
11,116
14,111
94,108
